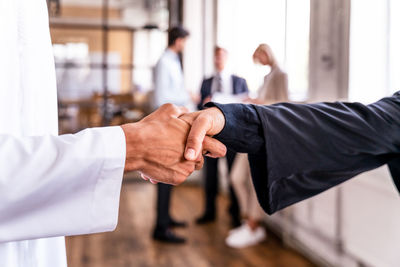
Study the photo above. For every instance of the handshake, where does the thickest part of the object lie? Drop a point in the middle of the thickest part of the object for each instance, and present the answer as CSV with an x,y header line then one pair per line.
x,y
169,144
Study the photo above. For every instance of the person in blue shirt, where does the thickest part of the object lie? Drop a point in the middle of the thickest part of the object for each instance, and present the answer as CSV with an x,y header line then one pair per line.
x,y
169,88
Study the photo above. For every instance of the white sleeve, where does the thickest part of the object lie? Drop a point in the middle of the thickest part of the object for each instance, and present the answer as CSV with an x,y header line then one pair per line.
x,y
60,185
162,84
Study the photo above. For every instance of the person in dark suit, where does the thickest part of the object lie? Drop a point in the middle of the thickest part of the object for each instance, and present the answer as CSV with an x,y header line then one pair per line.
x,y
225,87
297,151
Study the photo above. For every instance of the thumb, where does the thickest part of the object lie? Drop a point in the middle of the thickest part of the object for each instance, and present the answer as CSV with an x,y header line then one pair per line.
x,y
196,136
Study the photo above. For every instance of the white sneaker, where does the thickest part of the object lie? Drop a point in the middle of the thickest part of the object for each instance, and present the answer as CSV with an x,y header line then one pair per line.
x,y
237,228
245,237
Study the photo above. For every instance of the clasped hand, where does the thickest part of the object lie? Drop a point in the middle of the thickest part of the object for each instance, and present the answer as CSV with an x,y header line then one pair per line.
x,y
169,144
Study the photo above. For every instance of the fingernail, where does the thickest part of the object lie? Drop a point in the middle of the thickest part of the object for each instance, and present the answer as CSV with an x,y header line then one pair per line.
x,y
190,154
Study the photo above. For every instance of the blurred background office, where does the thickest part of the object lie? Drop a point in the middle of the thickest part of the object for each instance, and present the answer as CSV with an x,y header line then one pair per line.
x,y
105,53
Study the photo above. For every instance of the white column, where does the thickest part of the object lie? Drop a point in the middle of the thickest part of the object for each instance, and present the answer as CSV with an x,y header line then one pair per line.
x,y
193,59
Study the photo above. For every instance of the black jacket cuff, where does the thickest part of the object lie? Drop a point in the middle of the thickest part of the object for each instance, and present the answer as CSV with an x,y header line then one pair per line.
x,y
243,130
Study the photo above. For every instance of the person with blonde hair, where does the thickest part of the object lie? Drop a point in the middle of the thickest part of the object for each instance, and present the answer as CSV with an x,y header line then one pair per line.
x,y
275,86
274,89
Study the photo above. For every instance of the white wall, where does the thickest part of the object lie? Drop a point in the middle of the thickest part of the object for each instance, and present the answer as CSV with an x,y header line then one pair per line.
x,y
363,231
371,219
193,59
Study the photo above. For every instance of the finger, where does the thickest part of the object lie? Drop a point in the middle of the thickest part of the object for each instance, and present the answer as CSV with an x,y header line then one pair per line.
x,y
144,177
199,163
196,136
178,111
153,181
214,148
172,110
189,117
147,178
183,110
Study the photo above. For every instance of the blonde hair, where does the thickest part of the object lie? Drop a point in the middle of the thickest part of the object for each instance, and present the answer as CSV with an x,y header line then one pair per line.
x,y
266,49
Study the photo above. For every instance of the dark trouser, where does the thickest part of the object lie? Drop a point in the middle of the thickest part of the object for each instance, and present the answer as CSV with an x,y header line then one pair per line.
x,y
163,200
211,187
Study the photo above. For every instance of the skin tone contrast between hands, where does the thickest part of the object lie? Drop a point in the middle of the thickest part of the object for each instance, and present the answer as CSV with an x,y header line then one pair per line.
x,y
169,144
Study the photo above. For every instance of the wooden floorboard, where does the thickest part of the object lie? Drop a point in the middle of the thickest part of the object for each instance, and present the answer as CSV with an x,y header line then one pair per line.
x,y
130,245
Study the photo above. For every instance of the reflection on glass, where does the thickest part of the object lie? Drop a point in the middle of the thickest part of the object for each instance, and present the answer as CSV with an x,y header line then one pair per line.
x,y
94,56
131,13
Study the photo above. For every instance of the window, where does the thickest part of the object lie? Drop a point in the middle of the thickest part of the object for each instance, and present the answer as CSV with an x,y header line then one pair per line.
x,y
394,51
297,47
97,45
284,25
148,45
374,53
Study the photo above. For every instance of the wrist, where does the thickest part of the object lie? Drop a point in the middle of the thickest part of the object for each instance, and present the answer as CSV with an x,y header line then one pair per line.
x,y
218,117
218,121
134,146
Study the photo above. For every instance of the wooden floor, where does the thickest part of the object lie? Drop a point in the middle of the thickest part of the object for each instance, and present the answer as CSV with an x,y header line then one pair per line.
x,y
131,245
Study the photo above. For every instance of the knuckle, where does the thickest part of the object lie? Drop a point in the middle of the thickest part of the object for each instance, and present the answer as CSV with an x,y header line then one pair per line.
x,y
192,168
172,109
203,119
178,180
199,165
223,150
168,106
194,139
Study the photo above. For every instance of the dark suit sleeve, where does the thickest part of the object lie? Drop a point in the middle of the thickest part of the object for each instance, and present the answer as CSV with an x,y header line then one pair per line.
x,y
239,85
245,89
297,151
203,94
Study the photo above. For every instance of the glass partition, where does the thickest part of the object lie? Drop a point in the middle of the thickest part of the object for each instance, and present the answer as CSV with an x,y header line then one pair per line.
x,y
100,47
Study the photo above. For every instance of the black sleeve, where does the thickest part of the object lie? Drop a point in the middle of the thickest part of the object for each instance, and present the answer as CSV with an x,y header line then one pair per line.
x,y
245,87
243,129
307,149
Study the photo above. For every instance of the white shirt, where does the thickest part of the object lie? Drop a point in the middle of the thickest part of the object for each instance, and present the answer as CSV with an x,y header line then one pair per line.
x,y
226,95
227,82
169,84
50,186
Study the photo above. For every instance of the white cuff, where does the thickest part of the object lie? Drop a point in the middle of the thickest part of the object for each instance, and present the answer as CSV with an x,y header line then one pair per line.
x,y
108,187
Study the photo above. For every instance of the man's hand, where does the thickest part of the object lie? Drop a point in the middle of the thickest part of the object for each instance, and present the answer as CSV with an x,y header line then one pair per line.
x,y
204,123
155,146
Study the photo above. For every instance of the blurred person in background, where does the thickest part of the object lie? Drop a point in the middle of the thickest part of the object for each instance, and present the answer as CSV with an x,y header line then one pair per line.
x,y
273,90
169,88
223,87
275,86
